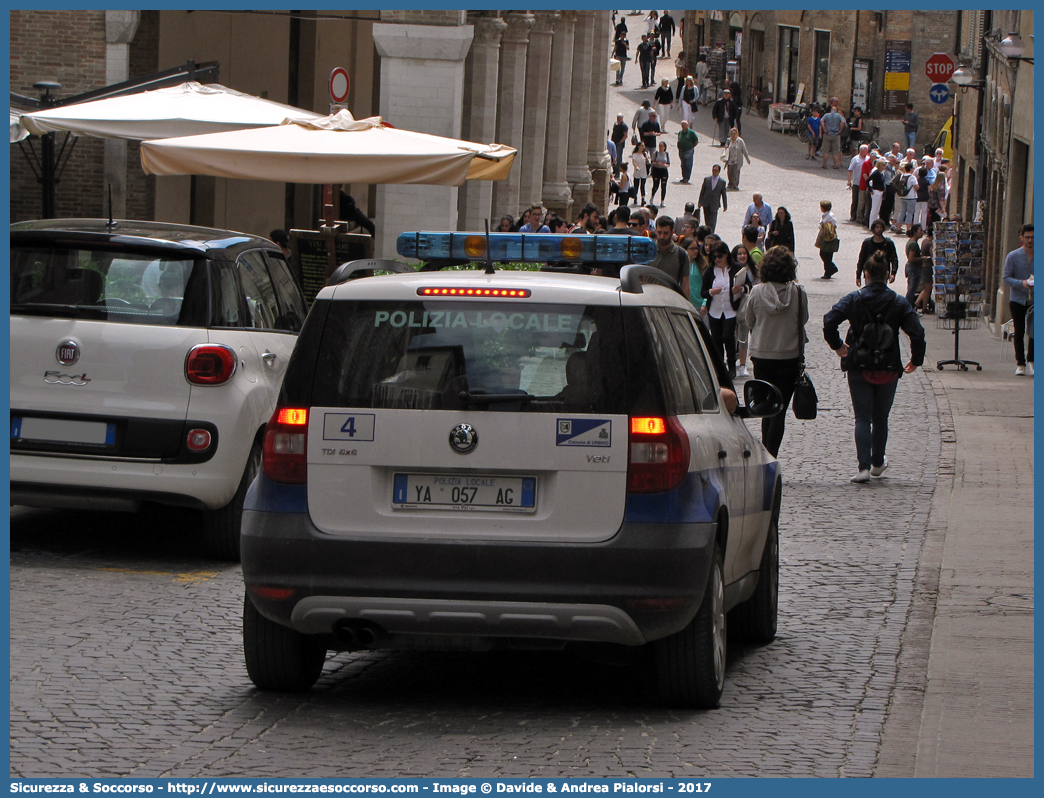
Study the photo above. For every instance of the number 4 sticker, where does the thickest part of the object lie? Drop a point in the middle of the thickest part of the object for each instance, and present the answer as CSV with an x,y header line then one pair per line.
x,y
348,426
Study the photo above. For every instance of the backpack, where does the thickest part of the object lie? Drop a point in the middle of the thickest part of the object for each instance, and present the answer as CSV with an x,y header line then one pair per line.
x,y
877,347
899,182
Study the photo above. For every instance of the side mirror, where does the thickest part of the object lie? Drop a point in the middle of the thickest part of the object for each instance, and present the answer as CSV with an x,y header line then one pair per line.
x,y
760,399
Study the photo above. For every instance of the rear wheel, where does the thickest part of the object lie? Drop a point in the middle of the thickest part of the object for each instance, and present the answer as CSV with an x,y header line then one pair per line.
x,y
221,526
754,621
804,134
690,664
279,658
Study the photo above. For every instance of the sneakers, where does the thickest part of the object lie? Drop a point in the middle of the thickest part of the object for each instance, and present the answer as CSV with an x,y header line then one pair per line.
x,y
862,476
1029,369
876,471
741,371
1020,371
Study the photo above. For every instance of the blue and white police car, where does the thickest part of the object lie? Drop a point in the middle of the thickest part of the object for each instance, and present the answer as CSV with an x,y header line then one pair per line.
x,y
491,458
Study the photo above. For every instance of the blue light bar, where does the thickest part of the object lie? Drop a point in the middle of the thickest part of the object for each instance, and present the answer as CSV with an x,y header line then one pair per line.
x,y
526,247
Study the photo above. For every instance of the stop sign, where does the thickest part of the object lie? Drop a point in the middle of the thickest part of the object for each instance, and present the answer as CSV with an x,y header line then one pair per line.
x,y
939,67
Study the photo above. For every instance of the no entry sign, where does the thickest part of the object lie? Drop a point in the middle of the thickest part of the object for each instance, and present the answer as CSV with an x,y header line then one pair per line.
x,y
339,84
939,67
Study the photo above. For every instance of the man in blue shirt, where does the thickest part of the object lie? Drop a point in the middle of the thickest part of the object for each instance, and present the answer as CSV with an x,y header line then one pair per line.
x,y
1018,276
833,124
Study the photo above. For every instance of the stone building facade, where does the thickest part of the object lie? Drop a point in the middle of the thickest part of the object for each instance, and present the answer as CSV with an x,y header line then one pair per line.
x,y
537,81
873,59
993,140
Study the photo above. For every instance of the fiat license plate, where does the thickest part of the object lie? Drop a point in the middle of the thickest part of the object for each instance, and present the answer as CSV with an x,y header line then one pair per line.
x,y
464,492
62,430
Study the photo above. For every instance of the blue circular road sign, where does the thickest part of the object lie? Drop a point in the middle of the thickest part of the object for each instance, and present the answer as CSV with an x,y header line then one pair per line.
x,y
939,93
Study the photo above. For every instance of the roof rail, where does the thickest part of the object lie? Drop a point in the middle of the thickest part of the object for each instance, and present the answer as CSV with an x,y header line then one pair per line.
x,y
348,270
631,279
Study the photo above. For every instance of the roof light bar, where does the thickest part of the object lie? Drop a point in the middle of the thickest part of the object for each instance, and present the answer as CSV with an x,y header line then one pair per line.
x,y
526,247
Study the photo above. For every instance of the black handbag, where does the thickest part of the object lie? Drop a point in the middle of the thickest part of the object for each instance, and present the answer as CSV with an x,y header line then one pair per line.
x,y
806,400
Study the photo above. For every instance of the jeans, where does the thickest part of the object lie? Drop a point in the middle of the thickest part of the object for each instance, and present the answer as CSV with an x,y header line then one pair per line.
x,y
910,138
619,74
872,404
907,209
686,164
1018,316
723,334
913,282
783,374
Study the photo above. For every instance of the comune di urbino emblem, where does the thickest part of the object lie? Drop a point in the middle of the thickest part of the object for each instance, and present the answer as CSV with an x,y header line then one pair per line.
x,y
463,439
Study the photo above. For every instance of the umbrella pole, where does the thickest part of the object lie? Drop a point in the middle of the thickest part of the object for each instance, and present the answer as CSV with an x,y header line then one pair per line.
x,y
329,227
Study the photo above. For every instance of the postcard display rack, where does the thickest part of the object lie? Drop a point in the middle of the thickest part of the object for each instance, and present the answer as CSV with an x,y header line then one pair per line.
x,y
958,253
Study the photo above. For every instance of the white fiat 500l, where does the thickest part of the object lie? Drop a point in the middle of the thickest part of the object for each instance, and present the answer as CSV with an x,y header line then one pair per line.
x,y
479,459
146,359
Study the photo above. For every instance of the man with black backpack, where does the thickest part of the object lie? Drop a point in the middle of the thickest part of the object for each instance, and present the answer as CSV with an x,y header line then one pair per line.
x,y
871,356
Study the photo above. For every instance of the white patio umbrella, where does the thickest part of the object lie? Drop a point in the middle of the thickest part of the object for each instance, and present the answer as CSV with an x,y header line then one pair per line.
x,y
17,131
185,110
332,149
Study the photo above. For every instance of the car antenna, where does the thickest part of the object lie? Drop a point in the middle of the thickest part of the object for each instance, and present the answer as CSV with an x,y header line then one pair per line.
x,y
489,253
111,225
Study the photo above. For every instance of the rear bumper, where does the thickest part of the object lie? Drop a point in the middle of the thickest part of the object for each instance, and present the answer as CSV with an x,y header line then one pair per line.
x,y
644,583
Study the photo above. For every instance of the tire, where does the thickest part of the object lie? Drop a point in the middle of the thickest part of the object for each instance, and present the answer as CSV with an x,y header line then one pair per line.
x,y
279,658
221,527
690,664
804,134
754,621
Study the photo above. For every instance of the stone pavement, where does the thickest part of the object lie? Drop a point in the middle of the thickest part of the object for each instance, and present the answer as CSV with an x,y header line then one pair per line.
x,y
962,699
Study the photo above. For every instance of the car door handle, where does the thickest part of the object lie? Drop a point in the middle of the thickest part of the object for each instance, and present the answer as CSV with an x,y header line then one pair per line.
x,y
269,357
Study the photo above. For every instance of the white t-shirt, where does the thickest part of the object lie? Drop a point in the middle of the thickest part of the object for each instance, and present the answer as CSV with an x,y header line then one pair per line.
x,y
721,304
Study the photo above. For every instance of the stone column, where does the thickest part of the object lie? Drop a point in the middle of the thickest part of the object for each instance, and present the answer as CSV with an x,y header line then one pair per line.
x,y
120,27
481,70
555,192
597,154
422,89
514,48
578,173
534,124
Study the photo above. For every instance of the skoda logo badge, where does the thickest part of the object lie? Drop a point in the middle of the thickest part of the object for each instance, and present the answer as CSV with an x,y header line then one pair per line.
x,y
463,439
67,353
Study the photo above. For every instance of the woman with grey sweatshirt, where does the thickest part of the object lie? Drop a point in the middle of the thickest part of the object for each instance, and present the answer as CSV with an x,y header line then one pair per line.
x,y
775,313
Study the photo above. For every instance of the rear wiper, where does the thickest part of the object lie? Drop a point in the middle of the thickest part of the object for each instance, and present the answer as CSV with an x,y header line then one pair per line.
x,y
478,397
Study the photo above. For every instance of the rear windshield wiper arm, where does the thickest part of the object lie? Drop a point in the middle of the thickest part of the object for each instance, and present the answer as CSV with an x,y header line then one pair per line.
x,y
493,398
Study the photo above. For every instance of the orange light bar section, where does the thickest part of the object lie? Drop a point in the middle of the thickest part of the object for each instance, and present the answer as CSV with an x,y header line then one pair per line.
x,y
512,293
296,416
648,426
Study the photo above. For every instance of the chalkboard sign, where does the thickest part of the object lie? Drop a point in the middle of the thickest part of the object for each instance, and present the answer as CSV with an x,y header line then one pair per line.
x,y
312,261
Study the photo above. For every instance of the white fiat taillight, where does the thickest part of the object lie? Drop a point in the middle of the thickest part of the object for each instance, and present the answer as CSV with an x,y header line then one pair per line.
x,y
658,455
198,440
283,455
210,364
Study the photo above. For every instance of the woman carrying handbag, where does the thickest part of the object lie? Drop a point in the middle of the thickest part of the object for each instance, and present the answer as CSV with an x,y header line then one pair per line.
x,y
775,313
826,241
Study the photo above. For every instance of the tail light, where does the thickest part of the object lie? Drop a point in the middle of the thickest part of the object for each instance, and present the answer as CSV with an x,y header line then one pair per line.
x,y
210,364
658,455
283,455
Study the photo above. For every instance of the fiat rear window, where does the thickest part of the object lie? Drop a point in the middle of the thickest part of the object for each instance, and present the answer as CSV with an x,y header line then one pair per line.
x,y
488,355
108,285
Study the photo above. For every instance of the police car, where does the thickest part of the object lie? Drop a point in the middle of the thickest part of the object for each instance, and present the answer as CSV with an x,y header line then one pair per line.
x,y
491,458
146,359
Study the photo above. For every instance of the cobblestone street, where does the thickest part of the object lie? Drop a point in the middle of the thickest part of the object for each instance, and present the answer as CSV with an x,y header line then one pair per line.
x,y
126,652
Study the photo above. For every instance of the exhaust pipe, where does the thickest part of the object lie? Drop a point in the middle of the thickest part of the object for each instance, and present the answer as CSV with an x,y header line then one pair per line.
x,y
354,634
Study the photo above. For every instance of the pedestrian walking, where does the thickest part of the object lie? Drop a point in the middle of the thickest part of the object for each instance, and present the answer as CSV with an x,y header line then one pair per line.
x,y
912,269
937,198
667,29
623,187
697,266
723,298
734,156
681,71
874,243
639,170
658,170
664,98
650,130
725,113
871,357
747,278
911,122
712,197
1018,276
645,55
687,142
781,230
775,313
906,190
702,80
618,135
620,49
815,133
827,241
688,98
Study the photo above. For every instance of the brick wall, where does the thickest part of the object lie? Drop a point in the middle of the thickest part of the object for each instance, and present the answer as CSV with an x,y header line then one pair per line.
x,y
67,47
426,17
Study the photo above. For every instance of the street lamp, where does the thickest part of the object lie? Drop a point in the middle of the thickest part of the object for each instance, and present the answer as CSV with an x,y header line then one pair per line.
x,y
965,78
1012,48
